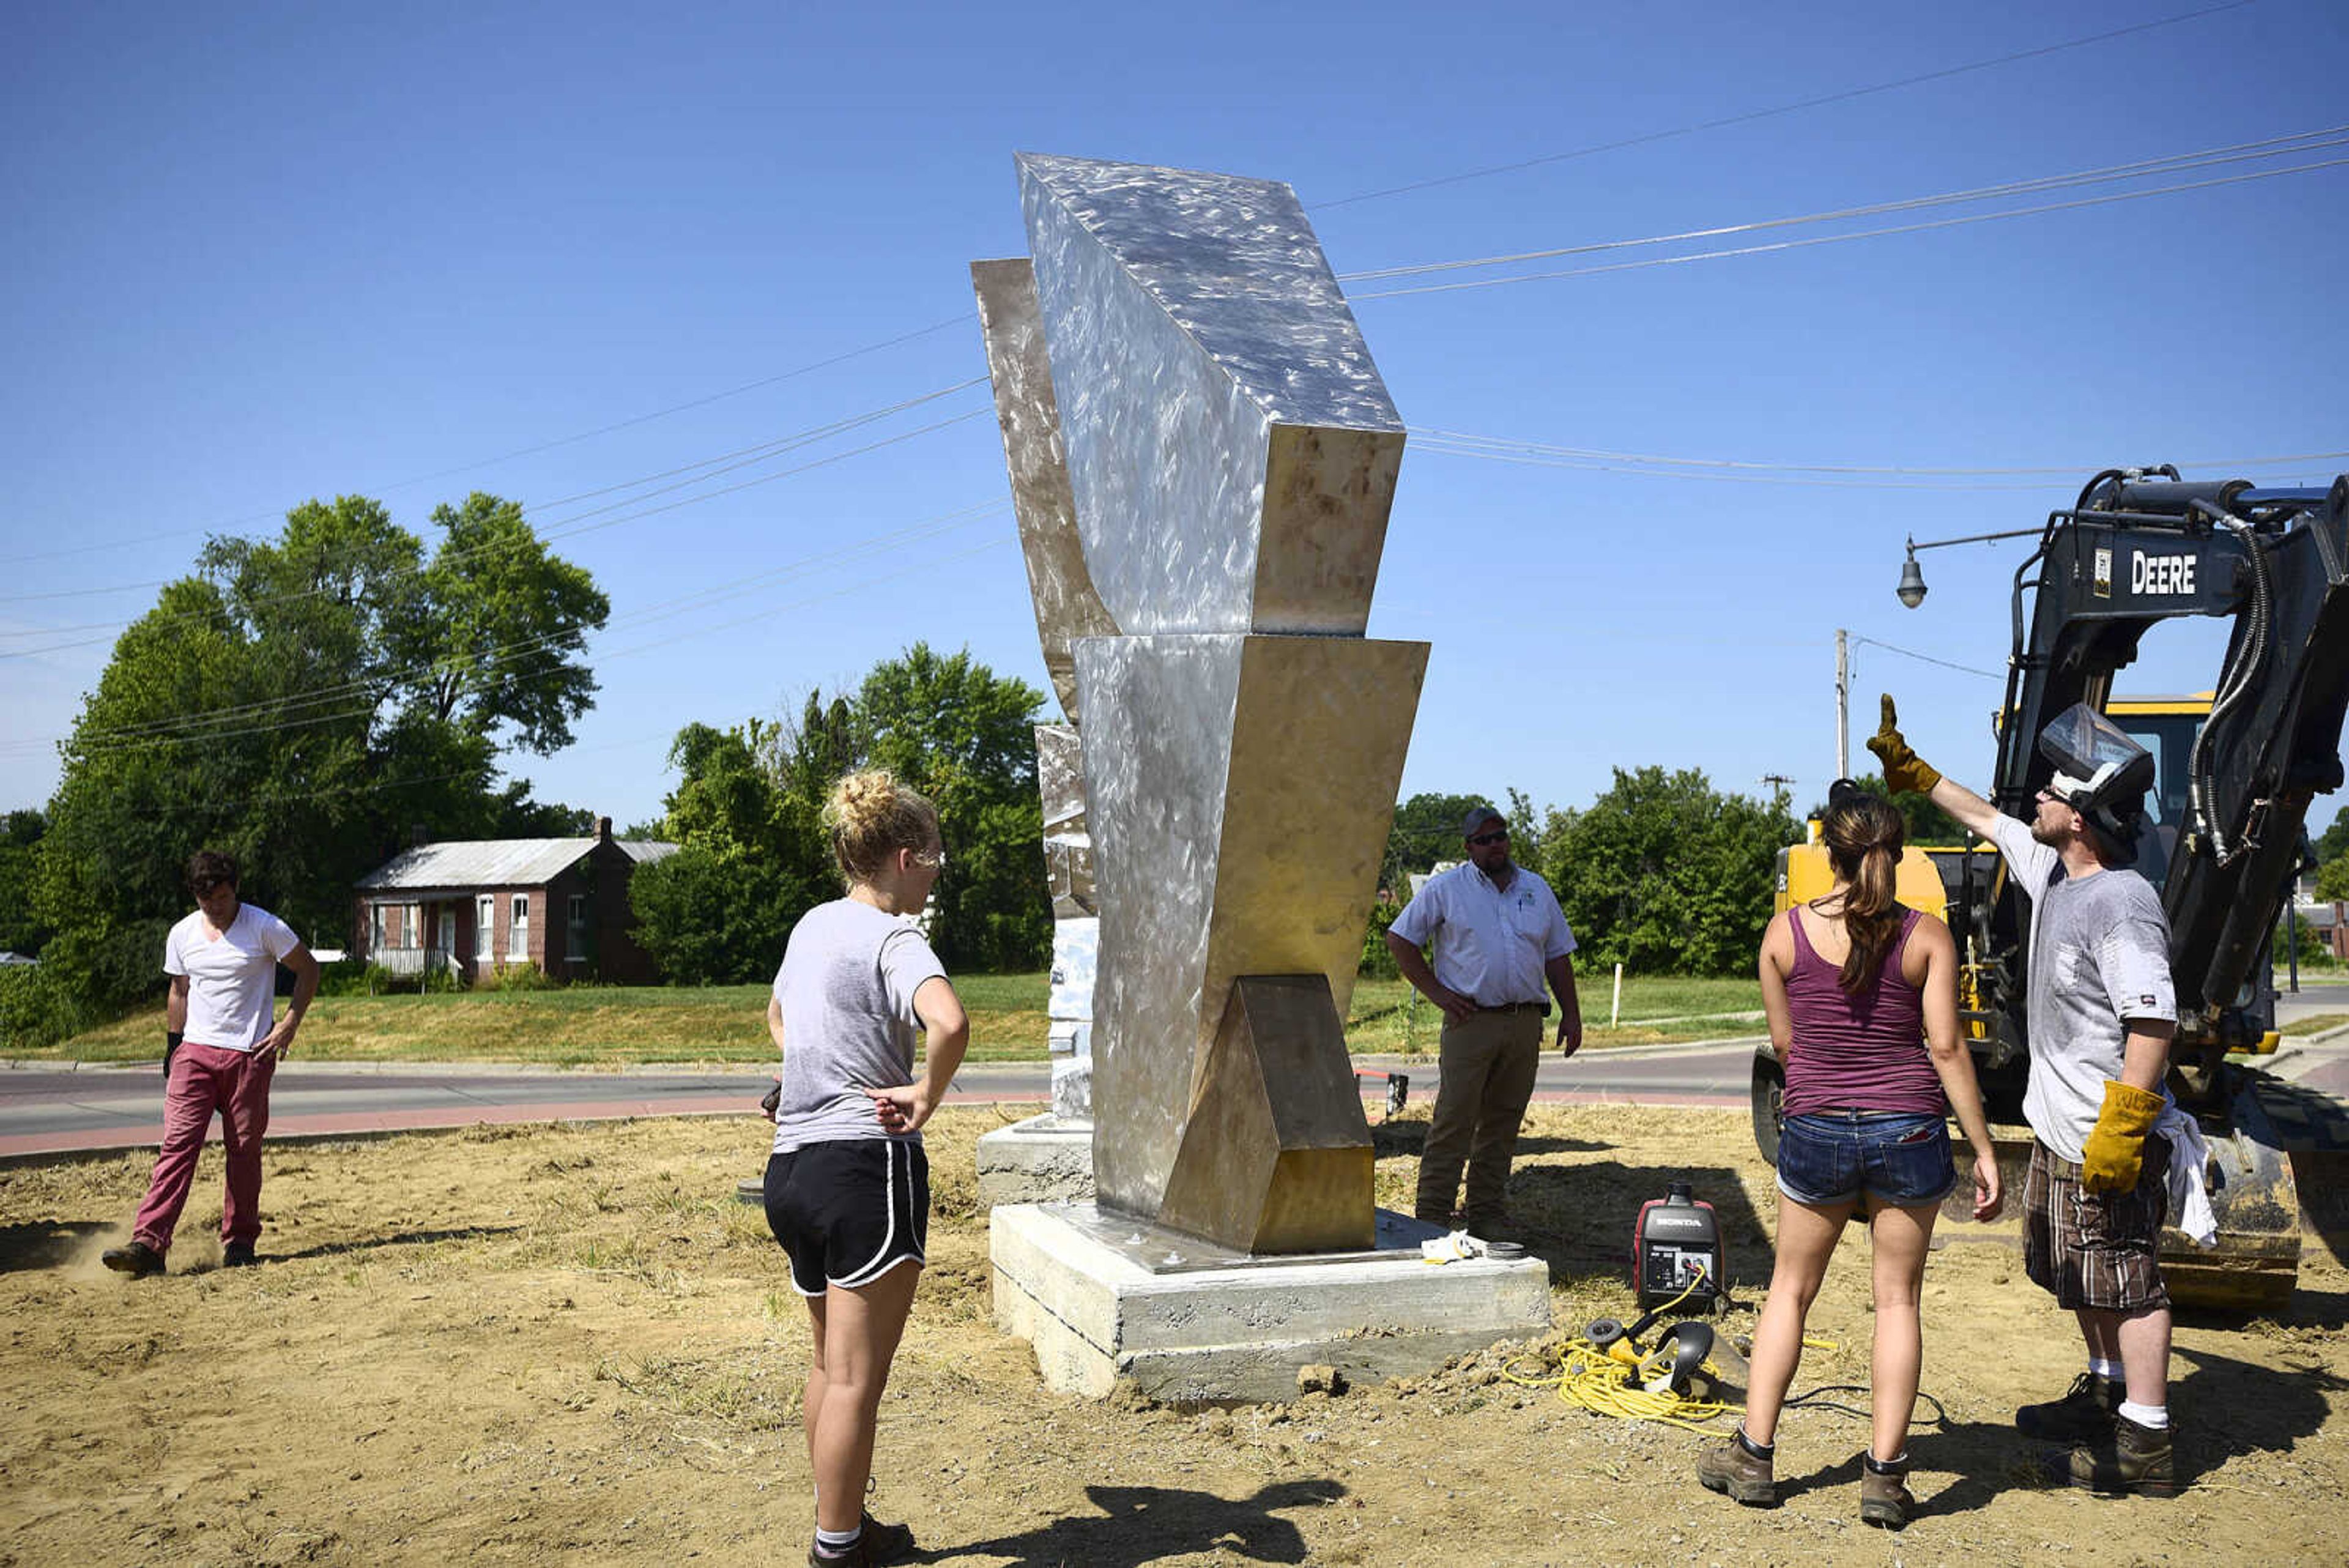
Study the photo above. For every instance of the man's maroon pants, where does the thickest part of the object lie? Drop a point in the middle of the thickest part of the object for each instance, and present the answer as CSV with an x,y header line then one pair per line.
x,y
204,1079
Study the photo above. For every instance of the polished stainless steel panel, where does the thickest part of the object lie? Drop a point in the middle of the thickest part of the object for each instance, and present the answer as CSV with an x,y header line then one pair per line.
x,y
1231,449
1066,604
1068,846
1240,792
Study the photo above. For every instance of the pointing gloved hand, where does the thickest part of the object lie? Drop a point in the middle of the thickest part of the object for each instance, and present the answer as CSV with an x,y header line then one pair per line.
x,y
1905,772
2113,1156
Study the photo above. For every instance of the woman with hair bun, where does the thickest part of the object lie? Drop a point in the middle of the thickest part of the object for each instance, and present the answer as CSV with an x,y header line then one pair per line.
x,y
848,1187
1862,1000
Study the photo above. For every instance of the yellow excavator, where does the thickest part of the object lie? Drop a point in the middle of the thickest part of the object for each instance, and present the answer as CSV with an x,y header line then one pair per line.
x,y
2236,769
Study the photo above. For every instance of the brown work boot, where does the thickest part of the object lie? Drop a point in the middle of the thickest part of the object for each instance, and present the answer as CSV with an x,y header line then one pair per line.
x,y
1883,1497
2082,1416
1735,1467
138,1259
2134,1459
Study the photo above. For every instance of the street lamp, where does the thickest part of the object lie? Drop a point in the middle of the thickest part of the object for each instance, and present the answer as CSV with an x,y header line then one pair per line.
x,y
1912,581
1912,590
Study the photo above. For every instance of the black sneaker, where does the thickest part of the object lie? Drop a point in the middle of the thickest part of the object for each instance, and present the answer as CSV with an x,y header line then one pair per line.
x,y
2083,1416
238,1255
138,1259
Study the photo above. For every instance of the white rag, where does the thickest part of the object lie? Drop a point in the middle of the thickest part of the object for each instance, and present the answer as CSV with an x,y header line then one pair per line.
x,y
2189,1188
1452,1248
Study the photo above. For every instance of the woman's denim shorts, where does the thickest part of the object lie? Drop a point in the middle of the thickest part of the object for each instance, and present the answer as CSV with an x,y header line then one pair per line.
x,y
1897,1158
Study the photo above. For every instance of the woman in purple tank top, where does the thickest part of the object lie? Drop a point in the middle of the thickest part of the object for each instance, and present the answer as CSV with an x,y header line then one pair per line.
x,y
1862,999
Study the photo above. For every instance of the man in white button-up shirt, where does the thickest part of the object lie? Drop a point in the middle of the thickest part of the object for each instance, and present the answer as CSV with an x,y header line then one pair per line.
x,y
1497,935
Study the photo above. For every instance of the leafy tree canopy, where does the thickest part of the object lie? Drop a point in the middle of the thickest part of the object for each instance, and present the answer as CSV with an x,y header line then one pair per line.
x,y
309,703
1664,873
748,806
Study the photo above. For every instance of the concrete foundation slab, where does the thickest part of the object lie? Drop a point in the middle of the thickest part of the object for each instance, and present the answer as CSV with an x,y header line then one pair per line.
x,y
1105,1297
1047,1158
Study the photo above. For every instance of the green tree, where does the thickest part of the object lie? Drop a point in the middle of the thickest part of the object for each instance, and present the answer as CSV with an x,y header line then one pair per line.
x,y
1665,874
1926,823
2334,842
21,928
1426,830
2332,879
951,728
749,804
290,702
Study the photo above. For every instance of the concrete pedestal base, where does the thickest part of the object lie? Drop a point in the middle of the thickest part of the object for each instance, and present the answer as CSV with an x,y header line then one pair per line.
x,y
1044,1160
1105,1297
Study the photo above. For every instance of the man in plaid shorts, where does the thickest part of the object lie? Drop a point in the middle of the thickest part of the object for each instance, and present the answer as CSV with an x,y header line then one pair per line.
x,y
2101,1015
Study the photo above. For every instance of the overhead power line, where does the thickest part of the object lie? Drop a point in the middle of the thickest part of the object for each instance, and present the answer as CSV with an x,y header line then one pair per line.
x,y
573,529
1926,657
277,713
1855,234
1844,96
2176,163
756,453
809,368
1455,443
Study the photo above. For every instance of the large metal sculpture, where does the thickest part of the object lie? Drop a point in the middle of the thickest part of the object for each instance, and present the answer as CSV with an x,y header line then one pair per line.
x,y
1225,461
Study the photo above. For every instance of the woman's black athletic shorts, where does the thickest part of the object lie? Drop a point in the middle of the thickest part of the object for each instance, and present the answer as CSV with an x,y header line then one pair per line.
x,y
850,1210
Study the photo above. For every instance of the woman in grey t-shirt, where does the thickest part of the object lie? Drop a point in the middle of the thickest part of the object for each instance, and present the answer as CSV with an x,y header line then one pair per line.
x,y
848,1186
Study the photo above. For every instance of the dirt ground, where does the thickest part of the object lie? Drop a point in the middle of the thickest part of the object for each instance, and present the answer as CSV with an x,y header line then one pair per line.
x,y
574,1344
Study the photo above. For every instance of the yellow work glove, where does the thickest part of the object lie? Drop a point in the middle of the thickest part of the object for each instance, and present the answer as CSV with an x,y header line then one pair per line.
x,y
1905,772
2115,1152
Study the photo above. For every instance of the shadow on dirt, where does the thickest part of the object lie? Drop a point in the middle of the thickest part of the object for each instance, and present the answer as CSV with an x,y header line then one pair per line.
x,y
48,1243
1578,1218
398,1238
1143,1524
1408,1139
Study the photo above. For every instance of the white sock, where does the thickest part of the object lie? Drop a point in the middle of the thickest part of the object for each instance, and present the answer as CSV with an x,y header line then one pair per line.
x,y
2155,1418
836,1543
2108,1370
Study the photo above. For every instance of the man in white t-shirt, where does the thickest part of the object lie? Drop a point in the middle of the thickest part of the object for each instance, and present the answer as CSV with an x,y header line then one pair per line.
x,y
1497,935
220,1051
2101,1013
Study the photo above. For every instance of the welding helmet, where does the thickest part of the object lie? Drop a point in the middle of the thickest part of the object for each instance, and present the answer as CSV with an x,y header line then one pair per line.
x,y
2100,772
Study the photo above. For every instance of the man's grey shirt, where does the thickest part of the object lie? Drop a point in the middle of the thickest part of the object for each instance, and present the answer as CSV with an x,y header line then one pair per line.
x,y
2099,957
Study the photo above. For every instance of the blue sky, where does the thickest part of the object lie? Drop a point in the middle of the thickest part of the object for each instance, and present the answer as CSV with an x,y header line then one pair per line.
x,y
273,251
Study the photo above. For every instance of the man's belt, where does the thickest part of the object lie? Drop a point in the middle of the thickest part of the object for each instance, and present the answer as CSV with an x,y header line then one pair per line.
x,y
1540,1007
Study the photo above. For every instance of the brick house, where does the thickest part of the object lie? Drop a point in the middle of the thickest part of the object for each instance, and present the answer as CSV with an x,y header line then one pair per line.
x,y
474,906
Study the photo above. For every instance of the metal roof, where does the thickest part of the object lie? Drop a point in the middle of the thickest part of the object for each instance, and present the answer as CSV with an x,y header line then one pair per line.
x,y
496,862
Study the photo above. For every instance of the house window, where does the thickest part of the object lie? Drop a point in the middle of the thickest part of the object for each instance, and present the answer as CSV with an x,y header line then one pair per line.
x,y
485,926
518,928
375,929
575,944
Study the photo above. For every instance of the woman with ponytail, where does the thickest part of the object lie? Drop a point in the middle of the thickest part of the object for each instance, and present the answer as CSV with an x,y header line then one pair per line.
x,y
1862,999
848,1188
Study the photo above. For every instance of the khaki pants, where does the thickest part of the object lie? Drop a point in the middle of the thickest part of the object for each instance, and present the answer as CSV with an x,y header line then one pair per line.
x,y
1485,1078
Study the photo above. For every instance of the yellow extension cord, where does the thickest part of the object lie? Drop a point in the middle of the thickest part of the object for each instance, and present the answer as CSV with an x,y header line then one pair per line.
x,y
1590,1378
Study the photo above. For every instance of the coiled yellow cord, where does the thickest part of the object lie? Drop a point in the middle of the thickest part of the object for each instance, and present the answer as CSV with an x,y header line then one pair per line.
x,y
1589,1376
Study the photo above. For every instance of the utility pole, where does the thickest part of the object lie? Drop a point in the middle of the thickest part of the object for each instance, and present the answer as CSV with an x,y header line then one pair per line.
x,y
1843,705
1777,783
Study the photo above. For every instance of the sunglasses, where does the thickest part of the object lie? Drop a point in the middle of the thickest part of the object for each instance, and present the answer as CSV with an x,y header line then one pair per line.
x,y
1498,836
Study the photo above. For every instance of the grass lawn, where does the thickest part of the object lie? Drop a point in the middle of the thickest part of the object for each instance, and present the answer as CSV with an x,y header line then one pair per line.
x,y
615,1026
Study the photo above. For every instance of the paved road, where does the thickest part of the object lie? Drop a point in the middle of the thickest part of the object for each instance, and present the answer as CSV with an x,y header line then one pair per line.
x,y
45,1109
